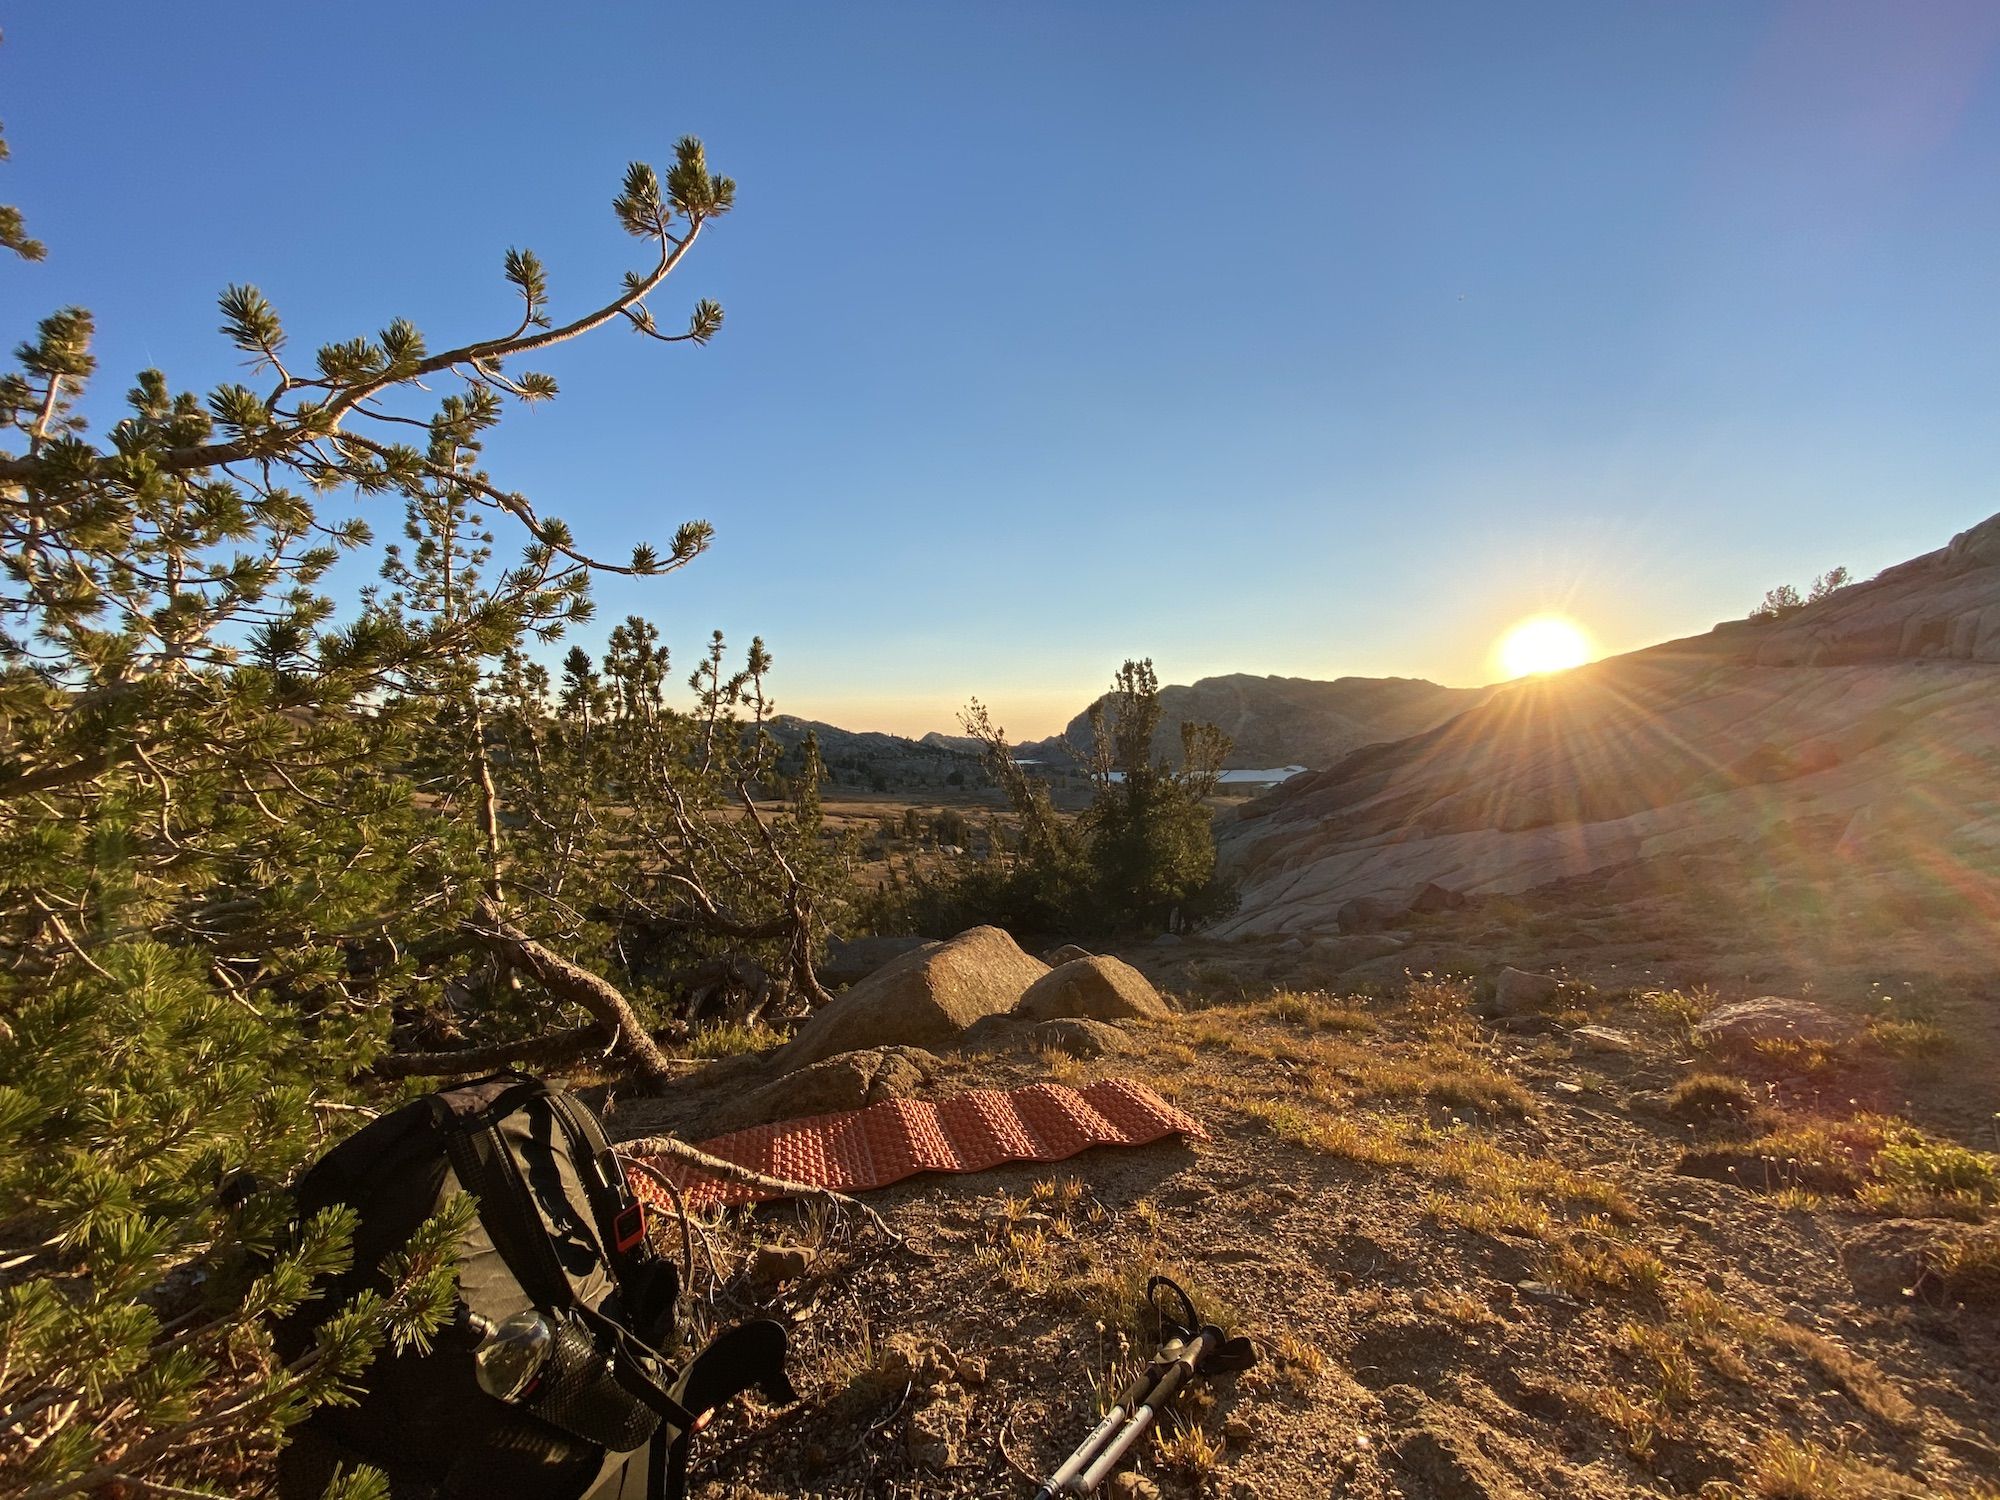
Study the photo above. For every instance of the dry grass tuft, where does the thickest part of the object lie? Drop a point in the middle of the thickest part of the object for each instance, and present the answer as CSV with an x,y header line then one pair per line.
x,y
1965,1265
1857,1378
1294,1362
1189,1451
731,1040
1704,1097
1315,1012
1592,1267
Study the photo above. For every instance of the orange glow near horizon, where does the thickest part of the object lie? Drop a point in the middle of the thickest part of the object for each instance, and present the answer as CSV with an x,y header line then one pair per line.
x,y
1543,644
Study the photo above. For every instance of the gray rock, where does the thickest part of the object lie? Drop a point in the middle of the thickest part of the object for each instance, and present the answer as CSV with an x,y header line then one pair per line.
x,y
1082,1038
1055,958
926,997
1771,1018
1605,1039
1518,993
1370,914
1003,1033
1099,988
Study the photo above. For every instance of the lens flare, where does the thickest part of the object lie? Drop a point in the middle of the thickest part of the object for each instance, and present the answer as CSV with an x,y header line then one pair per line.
x,y
1546,643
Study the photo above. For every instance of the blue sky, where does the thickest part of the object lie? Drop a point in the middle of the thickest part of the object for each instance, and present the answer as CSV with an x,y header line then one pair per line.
x,y
1313,339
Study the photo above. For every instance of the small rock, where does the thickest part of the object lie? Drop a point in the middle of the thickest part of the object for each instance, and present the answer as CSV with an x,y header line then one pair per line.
x,y
1080,1038
1055,958
1517,992
848,1080
1564,1086
1356,948
1130,1486
777,1264
1238,1432
1541,1291
971,1370
1606,1039
936,1431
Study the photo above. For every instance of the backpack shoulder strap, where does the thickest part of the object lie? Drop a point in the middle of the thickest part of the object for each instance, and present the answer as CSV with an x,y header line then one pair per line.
x,y
621,1218
468,1119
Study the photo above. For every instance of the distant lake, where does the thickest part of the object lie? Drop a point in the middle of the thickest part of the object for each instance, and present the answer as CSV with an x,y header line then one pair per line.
x,y
1271,777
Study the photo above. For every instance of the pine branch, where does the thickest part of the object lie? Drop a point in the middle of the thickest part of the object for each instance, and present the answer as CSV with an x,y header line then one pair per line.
x,y
572,982
556,1047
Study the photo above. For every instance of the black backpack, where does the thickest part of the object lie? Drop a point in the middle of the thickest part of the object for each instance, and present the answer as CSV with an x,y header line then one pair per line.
x,y
559,1266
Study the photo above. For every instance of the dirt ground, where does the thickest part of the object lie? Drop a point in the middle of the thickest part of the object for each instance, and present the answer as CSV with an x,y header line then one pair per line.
x,y
1479,1262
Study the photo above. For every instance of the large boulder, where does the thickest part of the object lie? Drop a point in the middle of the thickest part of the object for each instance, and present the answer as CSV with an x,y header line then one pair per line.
x,y
847,1080
1098,988
1744,1023
923,999
850,962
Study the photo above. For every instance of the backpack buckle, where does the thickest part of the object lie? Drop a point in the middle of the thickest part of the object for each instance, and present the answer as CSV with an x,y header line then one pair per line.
x,y
630,1227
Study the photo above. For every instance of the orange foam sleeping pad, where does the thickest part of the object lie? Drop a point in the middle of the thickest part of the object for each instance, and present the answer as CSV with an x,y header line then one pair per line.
x,y
884,1143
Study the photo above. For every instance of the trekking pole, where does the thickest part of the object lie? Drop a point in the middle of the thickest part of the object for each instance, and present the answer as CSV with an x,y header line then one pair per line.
x,y
1189,1349
1184,1368
1127,1402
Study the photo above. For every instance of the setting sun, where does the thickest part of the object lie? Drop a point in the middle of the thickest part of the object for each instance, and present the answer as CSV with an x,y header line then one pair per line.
x,y
1546,643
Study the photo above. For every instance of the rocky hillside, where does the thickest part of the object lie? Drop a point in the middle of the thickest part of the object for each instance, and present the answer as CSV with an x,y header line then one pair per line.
x,y
1292,721
1846,757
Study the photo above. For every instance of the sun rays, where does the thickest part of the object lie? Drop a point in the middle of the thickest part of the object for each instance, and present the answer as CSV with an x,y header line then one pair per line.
x,y
1542,644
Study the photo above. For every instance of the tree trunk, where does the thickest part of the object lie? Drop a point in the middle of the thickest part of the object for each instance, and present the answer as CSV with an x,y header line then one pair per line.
x,y
557,1046
572,982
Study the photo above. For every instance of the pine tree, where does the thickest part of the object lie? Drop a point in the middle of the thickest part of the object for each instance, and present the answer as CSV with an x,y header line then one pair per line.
x,y
234,877
1140,858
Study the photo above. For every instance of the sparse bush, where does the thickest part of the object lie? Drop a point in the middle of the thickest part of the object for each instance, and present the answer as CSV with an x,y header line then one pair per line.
x,y
1786,1469
1703,1097
1678,1010
1819,1155
1965,1265
1942,1167
1439,1002
1910,1037
1785,600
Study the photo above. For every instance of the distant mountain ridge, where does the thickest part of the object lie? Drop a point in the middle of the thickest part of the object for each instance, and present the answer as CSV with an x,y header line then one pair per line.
x,y
1283,721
